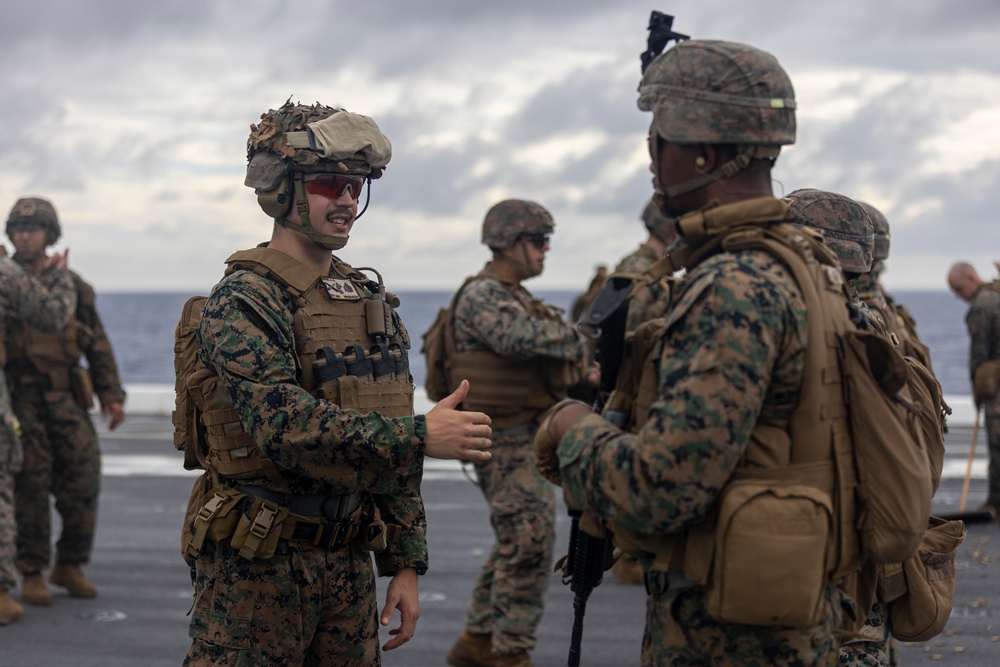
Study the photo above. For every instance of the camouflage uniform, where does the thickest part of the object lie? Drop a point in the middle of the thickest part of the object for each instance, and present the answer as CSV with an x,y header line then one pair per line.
x,y
731,357
313,600
983,322
306,603
650,302
509,596
62,455
22,297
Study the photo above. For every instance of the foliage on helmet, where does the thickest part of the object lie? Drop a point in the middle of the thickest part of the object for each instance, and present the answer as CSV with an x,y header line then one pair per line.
x,y
842,221
716,92
509,219
34,212
881,225
313,138
659,225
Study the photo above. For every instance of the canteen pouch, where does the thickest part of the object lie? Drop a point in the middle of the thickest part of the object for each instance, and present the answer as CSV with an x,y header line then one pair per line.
x,y
82,387
259,530
986,381
760,525
921,589
210,515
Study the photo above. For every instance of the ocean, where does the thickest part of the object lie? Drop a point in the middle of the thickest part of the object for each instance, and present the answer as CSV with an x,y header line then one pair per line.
x,y
141,329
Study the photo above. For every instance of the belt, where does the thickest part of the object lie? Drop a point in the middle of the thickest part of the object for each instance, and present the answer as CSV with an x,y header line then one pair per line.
x,y
658,583
332,508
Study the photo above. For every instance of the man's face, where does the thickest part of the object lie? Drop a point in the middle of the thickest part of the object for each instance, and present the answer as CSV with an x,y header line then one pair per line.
x,y
530,250
671,165
29,241
333,202
964,289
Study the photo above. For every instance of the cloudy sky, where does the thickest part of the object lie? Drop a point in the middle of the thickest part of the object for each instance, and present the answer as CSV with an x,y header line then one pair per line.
x,y
132,118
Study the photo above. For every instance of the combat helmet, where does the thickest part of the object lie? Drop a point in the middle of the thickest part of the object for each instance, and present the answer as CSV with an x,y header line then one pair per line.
x,y
716,92
659,225
842,221
34,212
881,251
298,140
512,218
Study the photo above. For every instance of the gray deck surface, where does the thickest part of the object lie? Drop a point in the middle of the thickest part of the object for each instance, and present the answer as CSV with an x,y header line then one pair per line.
x,y
140,618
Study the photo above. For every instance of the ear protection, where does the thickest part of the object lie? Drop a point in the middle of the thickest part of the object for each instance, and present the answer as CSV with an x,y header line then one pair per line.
x,y
277,203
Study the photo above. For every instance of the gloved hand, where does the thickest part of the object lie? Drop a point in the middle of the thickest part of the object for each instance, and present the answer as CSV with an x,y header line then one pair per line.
x,y
547,442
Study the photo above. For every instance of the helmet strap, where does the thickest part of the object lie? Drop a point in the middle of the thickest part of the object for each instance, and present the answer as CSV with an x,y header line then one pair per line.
x,y
304,226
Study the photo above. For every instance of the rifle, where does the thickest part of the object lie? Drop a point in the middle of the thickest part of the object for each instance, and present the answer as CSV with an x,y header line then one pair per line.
x,y
589,555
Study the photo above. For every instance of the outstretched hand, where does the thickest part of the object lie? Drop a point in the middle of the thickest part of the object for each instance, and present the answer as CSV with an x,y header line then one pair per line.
x,y
456,434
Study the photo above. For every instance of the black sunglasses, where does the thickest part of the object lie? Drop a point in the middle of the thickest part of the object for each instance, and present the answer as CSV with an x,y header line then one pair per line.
x,y
537,240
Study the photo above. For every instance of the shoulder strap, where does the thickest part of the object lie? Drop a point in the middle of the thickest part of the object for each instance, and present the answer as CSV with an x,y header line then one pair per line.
x,y
275,265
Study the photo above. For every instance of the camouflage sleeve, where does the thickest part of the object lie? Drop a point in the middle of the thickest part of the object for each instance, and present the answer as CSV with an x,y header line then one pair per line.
x,y
245,335
97,347
487,315
410,550
718,370
983,322
46,307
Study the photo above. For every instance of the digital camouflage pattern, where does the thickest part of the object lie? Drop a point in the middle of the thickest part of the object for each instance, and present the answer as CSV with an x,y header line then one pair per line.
x,y
706,91
843,222
654,300
509,596
872,647
34,212
881,225
983,322
732,355
62,455
303,606
509,219
23,297
246,336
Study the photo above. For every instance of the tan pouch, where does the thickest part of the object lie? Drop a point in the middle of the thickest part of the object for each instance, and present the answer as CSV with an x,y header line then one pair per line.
x,y
921,589
986,381
259,530
771,538
82,387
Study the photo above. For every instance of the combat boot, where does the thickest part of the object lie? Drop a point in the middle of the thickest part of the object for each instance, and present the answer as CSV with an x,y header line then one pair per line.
x,y
10,611
35,591
71,578
519,659
471,650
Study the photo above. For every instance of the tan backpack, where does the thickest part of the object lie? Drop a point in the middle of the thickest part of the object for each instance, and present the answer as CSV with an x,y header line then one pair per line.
x,y
438,349
189,433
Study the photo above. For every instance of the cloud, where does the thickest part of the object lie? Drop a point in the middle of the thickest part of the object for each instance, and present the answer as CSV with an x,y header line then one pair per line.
x,y
132,118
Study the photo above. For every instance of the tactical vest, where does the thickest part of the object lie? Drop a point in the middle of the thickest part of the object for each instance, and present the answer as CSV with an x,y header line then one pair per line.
x,y
513,392
31,352
812,456
348,349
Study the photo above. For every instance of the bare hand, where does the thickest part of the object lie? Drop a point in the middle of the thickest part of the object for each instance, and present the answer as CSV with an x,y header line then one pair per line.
x,y
454,434
594,376
114,413
401,594
58,260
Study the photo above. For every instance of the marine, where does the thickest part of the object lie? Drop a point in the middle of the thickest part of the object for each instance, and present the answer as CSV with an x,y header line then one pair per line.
x,y
48,307
730,365
53,393
313,456
521,357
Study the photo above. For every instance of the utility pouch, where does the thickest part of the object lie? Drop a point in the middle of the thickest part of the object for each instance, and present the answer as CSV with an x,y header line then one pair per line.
x,y
921,589
214,516
760,524
259,530
986,381
82,387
